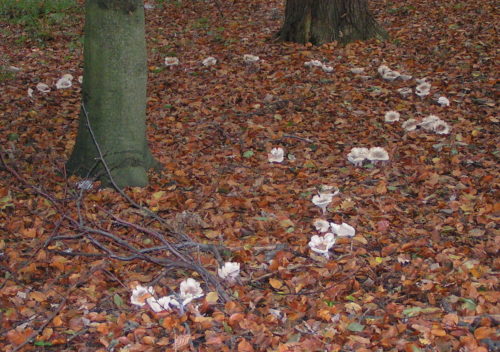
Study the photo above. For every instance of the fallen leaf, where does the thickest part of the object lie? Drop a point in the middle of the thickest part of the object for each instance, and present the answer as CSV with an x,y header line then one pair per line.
x,y
245,346
275,283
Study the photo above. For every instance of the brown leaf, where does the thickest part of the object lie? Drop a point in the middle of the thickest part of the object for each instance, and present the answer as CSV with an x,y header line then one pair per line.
x,y
245,346
181,341
215,340
438,332
38,296
235,318
381,188
484,332
383,225
17,337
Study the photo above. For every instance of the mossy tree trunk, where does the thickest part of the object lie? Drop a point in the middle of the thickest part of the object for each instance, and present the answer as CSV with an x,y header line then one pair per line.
x,y
324,21
114,95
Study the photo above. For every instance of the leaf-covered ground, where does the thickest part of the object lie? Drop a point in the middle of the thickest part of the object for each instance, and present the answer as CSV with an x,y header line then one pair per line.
x,y
421,272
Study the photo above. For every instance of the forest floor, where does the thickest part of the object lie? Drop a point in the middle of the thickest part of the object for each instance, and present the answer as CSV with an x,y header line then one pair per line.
x,y
421,272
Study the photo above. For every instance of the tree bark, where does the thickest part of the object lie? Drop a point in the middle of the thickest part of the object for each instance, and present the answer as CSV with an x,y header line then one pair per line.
x,y
113,95
324,21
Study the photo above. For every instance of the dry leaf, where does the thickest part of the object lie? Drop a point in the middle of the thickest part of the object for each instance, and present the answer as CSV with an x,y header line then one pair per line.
x,y
181,341
212,297
245,346
18,336
275,283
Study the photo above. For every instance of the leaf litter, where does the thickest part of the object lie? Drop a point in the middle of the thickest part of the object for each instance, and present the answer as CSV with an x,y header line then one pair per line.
x,y
420,272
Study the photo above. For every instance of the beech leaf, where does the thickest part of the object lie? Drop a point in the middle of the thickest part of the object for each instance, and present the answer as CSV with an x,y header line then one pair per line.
x,y
356,327
118,300
248,154
275,283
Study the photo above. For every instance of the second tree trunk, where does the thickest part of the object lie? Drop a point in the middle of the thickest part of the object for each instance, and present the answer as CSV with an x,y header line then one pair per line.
x,y
324,21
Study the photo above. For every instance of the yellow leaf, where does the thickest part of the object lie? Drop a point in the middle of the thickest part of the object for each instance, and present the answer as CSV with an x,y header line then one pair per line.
x,y
299,287
211,234
286,223
374,261
212,297
467,207
158,195
424,341
353,308
275,283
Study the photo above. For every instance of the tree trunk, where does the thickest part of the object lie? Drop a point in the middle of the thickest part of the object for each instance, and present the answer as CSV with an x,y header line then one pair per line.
x,y
324,21
113,95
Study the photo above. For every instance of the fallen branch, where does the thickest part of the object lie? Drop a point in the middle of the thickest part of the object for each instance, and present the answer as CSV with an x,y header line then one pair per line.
x,y
108,243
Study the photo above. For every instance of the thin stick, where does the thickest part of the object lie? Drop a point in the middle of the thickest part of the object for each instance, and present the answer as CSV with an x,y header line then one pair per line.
x,y
108,170
286,135
185,262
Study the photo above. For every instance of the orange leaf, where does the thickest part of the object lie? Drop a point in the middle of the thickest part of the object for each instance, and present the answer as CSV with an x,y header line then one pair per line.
x,y
16,337
450,319
438,332
164,341
484,332
58,262
236,318
46,334
57,321
324,314
275,283
245,346
148,340
169,322
38,296
103,328
30,233
214,340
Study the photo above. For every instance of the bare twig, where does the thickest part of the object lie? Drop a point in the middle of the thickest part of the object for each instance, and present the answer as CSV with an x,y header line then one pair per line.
x,y
286,135
115,185
113,246
186,262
